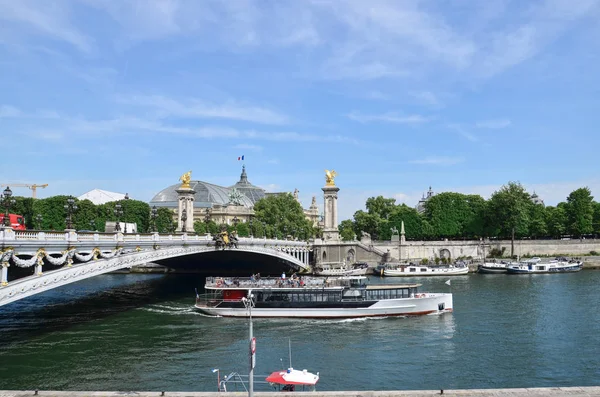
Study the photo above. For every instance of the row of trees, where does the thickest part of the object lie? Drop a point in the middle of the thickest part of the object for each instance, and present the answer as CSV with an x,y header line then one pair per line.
x,y
88,216
275,216
509,213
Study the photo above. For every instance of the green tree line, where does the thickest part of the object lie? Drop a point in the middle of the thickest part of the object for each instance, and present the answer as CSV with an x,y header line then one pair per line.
x,y
88,215
509,213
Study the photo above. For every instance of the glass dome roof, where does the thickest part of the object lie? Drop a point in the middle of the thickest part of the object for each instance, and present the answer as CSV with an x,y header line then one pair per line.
x,y
206,195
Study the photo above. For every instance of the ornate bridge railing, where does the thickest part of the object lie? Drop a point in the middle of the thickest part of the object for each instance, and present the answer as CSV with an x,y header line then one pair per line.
x,y
84,255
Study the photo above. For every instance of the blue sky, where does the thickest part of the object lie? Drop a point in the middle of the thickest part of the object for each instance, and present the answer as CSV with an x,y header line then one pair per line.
x,y
395,96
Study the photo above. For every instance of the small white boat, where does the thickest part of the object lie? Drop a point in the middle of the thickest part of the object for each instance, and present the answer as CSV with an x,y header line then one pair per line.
x,y
329,270
420,271
292,379
536,267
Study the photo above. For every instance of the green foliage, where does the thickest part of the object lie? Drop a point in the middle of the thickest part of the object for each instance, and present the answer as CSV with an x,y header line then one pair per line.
x,y
283,216
346,229
413,222
164,220
53,212
243,229
380,207
580,212
454,214
597,218
496,253
200,227
509,208
538,226
556,220
366,222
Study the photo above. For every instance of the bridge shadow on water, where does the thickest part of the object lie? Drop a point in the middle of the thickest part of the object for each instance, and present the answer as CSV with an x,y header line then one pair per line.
x,y
108,295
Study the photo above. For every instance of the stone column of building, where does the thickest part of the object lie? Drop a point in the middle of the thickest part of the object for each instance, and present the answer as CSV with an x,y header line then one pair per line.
x,y
186,201
330,221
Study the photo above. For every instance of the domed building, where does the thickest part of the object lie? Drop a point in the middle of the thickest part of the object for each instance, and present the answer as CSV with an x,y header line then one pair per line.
x,y
223,205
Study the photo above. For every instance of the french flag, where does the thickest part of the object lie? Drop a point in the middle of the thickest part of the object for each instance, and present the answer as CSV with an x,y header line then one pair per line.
x,y
240,158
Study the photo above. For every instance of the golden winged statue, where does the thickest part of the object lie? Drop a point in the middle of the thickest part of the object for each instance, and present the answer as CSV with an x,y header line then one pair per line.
x,y
329,177
185,179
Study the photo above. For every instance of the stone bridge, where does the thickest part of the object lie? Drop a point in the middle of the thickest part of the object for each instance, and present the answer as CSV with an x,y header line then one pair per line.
x,y
76,256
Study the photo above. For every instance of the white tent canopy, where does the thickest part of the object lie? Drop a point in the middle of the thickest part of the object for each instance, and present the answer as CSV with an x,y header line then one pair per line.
x,y
98,196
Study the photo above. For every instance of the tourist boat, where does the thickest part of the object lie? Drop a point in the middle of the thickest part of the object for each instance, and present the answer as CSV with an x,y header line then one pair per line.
x,y
357,269
421,270
312,297
536,267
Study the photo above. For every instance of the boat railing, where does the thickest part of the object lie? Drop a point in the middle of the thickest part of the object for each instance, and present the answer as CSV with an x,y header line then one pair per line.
x,y
211,299
276,282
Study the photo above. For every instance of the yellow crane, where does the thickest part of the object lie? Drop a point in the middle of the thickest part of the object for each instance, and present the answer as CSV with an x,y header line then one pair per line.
x,y
32,187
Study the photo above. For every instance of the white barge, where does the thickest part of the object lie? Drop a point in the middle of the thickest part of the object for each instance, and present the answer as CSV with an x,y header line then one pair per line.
x,y
311,297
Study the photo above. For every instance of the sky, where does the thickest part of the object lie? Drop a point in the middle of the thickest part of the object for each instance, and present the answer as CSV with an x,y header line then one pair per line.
x,y
395,96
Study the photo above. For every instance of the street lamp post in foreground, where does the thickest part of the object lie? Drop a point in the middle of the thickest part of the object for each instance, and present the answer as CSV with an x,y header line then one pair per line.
x,y
249,304
7,202
218,378
118,213
126,198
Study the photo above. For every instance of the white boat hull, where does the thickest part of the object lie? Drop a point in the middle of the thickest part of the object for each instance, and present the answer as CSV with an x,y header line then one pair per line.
x,y
420,271
540,268
426,303
341,272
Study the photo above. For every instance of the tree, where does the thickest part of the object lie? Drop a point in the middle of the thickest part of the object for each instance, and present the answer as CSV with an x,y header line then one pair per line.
x,y
243,230
449,214
86,212
53,211
164,220
508,211
283,214
24,206
596,218
136,211
365,222
380,206
346,229
556,220
200,227
413,222
580,212
538,227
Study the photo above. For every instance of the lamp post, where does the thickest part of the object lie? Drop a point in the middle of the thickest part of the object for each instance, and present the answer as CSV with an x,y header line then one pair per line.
x,y
183,220
153,216
118,213
206,216
70,207
7,202
93,225
249,304
250,224
235,222
125,198
218,378
38,221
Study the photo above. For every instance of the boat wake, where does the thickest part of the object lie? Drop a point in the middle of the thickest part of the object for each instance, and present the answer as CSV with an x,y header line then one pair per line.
x,y
173,310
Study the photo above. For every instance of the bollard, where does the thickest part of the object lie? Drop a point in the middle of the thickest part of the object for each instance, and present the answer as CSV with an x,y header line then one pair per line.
x,y
162,393
35,393
442,391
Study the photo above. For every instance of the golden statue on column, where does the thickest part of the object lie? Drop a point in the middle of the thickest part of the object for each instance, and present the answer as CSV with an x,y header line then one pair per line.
x,y
329,177
185,180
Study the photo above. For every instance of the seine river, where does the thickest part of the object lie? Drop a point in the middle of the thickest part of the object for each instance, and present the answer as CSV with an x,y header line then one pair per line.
x,y
139,332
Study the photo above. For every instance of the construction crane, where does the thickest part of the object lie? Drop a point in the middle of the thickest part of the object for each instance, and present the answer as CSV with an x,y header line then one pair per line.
x,y
32,187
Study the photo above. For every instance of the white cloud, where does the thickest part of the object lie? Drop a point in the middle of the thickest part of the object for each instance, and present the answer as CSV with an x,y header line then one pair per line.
x,y
426,97
493,124
9,111
273,161
194,108
271,188
441,160
388,118
50,18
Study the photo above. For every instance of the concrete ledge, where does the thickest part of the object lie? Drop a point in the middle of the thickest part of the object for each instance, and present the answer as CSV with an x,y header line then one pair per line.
x,y
529,392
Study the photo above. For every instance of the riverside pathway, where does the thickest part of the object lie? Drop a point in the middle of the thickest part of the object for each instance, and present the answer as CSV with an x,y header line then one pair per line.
x,y
530,392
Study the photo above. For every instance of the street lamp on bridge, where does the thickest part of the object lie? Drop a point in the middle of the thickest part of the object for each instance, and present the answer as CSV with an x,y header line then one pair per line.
x,y
38,221
7,202
235,222
206,216
71,208
125,198
118,213
153,216
250,227
93,225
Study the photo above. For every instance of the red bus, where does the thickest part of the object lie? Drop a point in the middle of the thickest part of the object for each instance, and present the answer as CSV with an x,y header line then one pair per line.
x,y
16,221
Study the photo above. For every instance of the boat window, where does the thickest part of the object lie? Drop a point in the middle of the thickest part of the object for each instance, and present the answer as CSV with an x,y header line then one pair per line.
x,y
412,269
423,269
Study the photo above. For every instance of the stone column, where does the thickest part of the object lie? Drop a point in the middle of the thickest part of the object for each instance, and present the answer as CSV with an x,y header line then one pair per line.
x,y
330,226
186,201
403,255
